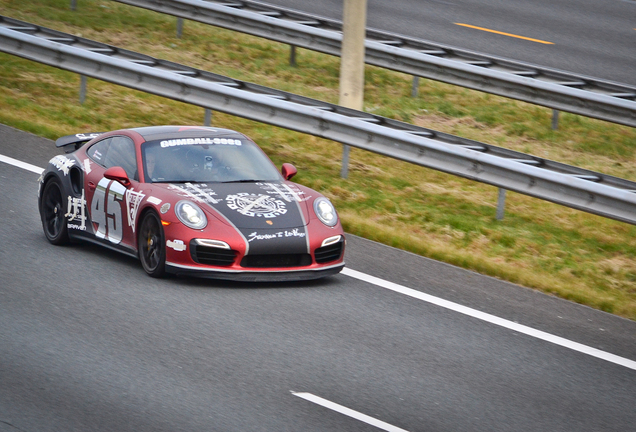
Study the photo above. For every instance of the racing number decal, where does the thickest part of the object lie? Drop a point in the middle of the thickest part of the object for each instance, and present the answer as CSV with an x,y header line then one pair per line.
x,y
106,210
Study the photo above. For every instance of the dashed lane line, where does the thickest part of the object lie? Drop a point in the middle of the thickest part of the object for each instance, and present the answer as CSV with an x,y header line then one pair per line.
x,y
348,412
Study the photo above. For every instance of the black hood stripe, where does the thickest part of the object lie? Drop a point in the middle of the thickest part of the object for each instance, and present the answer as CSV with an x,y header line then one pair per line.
x,y
268,216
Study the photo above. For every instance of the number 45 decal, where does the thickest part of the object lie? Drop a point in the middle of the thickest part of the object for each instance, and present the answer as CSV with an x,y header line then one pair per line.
x,y
106,211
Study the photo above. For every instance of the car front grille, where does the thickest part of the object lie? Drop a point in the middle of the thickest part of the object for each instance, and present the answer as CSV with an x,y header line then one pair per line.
x,y
212,255
280,260
329,253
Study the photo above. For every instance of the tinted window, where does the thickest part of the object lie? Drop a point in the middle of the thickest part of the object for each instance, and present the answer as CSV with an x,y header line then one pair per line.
x,y
98,151
116,151
206,159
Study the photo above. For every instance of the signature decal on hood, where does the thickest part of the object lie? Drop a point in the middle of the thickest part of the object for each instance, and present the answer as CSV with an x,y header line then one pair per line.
x,y
280,234
256,205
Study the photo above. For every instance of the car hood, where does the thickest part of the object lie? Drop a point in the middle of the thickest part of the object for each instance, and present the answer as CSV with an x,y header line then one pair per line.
x,y
250,206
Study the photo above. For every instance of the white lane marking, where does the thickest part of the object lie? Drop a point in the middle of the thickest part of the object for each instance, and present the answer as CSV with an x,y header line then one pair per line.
x,y
622,361
20,164
348,412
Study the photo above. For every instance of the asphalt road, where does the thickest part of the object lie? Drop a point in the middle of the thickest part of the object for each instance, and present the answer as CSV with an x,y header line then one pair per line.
x,y
588,37
88,342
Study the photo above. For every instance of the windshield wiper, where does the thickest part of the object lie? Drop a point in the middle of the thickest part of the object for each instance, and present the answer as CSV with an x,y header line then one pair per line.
x,y
243,181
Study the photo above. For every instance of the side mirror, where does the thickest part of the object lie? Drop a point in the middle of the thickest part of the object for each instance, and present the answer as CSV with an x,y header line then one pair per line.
x,y
118,174
288,171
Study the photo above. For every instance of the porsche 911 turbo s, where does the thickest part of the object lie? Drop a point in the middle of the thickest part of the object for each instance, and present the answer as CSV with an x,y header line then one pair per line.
x,y
190,200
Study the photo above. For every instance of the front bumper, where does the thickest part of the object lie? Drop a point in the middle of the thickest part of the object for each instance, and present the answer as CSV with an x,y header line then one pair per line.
x,y
255,275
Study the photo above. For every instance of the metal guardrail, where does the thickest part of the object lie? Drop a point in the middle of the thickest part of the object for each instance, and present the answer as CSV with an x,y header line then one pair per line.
x,y
573,187
563,91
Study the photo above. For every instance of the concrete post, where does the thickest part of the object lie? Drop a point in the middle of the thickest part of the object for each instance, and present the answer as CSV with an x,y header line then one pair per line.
x,y
354,22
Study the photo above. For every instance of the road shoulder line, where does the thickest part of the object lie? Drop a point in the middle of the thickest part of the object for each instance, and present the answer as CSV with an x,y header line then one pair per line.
x,y
557,340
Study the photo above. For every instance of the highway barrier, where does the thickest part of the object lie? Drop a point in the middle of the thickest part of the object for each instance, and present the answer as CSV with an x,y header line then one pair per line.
x,y
596,193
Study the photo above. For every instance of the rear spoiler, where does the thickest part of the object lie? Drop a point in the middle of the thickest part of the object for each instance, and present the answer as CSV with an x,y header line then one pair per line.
x,y
73,142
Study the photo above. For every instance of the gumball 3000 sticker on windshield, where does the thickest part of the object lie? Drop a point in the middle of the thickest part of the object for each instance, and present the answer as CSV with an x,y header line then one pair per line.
x,y
256,205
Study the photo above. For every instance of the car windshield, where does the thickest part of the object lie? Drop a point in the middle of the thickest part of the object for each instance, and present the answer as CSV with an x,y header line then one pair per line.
x,y
206,159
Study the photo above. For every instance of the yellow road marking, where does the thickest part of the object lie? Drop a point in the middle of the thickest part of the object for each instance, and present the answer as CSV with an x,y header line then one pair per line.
x,y
505,34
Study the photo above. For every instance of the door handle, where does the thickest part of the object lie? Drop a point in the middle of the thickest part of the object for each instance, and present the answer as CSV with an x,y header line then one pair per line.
x,y
91,185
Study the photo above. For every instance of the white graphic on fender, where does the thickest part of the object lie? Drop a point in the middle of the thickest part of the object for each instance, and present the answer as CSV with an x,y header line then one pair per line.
x,y
41,182
75,212
62,163
87,166
280,234
133,199
177,245
256,205
154,200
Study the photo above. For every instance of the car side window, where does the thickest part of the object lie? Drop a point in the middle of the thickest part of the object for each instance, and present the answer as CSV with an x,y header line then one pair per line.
x,y
116,151
98,151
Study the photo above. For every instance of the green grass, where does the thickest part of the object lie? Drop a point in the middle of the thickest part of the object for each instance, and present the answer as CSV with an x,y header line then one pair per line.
x,y
575,255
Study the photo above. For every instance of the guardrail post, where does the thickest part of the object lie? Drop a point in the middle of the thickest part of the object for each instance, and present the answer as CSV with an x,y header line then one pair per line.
x,y
179,27
82,96
73,4
501,203
555,119
207,120
415,86
292,55
344,170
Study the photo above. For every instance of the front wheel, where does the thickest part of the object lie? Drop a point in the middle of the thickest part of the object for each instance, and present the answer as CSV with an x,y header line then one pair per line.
x,y
52,213
152,245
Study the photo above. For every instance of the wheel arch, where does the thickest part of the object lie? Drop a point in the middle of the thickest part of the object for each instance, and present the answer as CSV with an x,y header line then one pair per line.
x,y
140,217
152,269
46,178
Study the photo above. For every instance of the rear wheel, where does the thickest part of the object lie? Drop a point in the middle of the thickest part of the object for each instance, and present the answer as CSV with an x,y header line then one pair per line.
x,y
152,245
52,213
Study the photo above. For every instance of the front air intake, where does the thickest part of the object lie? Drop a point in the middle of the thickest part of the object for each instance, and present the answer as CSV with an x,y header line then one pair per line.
x,y
213,256
329,253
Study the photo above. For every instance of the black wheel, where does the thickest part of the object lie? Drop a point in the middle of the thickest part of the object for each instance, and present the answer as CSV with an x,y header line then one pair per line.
x,y
52,213
152,245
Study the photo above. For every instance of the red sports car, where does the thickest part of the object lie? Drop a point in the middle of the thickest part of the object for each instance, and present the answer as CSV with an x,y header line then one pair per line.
x,y
190,200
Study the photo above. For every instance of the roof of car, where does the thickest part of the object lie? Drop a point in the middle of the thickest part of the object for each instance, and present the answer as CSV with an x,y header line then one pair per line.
x,y
150,133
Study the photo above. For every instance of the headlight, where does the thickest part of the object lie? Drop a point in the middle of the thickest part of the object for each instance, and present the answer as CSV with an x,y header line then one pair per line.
x,y
325,211
190,215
